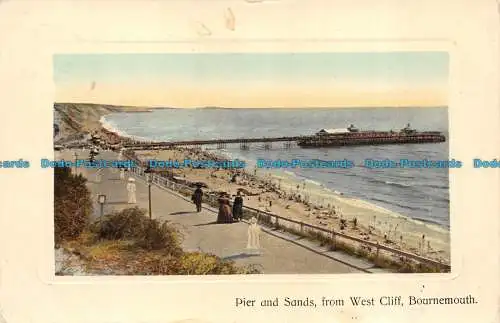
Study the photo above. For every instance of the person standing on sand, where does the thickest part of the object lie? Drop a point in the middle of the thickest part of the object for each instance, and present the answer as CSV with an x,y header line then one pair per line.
x,y
197,197
238,207
131,191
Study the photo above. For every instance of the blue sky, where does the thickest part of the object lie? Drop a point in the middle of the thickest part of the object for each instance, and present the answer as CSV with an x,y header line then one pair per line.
x,y
404,67
202,70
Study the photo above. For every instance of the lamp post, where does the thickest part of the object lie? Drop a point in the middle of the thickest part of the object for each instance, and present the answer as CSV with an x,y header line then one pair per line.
x,y
149,180
101,198
76,160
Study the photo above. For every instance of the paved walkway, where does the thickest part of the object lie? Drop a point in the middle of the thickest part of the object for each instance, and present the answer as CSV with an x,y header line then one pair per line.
x,y
202,233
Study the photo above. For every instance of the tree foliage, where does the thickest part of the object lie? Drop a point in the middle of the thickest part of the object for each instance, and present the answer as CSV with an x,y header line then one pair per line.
x,y
72,204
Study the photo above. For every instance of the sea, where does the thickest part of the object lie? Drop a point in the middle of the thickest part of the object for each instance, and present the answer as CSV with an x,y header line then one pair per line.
x,y
421,194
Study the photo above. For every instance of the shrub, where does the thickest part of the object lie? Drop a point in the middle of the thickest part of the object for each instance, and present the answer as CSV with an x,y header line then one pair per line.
x,y
197,263
132,224
165,255
72,204
191,263
114,241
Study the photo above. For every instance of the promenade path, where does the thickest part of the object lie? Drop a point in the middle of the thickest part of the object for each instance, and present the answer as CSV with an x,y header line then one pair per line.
x,y
200,231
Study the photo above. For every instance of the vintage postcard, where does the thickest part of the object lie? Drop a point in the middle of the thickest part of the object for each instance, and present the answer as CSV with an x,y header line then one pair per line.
x,y
242,161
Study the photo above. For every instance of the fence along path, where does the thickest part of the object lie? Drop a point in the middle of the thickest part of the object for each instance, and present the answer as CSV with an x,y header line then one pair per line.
x,y
332,234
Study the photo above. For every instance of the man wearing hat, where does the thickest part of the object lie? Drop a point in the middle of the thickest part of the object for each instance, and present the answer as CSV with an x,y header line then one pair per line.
x,y
238,206
197,197
131,191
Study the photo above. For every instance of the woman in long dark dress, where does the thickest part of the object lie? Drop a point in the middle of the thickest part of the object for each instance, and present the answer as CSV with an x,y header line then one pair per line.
x,y
220,215
224,215
228,214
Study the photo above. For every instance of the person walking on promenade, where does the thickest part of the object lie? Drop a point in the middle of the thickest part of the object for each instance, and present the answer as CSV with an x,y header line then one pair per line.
x,y
220,214
98,175
227,211
238,207
197,197
225,214
253,243
131,191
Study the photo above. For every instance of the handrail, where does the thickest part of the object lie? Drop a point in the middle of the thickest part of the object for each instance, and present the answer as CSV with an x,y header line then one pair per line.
x,y
158,180
349,237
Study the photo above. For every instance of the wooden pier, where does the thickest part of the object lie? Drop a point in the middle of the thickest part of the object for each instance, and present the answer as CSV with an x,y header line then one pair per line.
x,y
301,141
244,143
318,140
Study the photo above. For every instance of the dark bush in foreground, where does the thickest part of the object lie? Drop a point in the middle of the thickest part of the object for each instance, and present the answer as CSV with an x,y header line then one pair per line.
x,y
72,205
131,224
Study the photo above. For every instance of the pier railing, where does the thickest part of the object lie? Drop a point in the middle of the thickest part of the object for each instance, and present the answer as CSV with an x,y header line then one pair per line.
x,y
299,227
